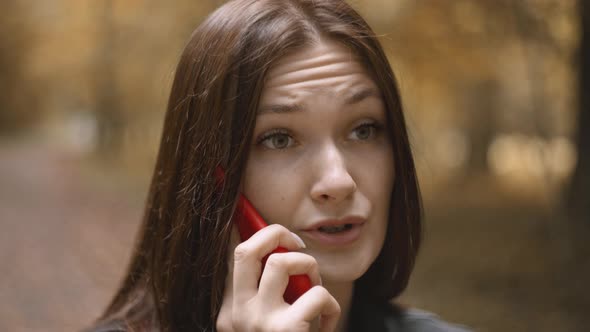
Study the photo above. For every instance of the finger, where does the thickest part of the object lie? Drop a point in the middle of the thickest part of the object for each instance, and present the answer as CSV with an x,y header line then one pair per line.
x,y
248,256
279,267
273,236
317,302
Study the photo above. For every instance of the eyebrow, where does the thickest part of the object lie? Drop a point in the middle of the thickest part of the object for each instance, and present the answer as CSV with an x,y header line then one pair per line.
x,y
281,108
361,95
355,98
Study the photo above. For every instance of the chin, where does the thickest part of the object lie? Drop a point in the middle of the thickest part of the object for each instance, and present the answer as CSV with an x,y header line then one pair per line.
x,y
344,270
342,276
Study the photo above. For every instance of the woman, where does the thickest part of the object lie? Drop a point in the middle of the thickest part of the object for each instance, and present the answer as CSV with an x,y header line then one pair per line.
x,y
295,99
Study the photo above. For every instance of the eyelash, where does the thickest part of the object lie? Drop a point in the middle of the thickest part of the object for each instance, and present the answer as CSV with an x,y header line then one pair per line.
x,y
272,133
373,125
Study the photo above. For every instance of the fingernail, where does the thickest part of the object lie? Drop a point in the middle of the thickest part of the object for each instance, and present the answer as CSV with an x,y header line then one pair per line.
x,y
299,240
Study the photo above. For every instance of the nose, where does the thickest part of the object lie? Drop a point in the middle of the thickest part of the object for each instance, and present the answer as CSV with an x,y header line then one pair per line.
x,y
332,180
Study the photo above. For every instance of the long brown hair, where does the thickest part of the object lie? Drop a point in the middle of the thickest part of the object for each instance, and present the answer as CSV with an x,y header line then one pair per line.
x,y
178,269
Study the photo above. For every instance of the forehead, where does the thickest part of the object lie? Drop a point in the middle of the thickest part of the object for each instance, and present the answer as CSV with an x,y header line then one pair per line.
x,y
323,68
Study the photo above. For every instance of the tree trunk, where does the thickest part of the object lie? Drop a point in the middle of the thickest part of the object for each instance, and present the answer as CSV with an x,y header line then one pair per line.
x,y
482,102
579,192
108,112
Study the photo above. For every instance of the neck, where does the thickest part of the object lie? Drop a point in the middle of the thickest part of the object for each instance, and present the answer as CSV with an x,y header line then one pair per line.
x,y
342,292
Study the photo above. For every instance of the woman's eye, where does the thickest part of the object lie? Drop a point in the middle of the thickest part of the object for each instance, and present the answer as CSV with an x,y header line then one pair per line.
x,y
364,132
277,140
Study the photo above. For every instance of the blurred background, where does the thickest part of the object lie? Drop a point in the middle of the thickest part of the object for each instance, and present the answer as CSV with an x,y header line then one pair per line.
x,y
497,100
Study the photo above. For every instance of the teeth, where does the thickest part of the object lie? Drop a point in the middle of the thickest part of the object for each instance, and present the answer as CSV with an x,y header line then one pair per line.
x,y
335,229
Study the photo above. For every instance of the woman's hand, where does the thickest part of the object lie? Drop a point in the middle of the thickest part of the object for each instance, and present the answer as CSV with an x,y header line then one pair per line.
x,y
248,306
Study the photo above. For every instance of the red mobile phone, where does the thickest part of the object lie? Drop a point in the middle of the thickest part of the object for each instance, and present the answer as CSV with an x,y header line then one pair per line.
x,y
249,222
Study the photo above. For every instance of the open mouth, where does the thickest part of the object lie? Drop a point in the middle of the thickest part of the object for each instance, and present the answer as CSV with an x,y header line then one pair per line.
x,y
335,229
336,233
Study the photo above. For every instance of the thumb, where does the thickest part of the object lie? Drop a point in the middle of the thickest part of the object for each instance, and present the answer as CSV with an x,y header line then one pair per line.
x,y
233,243
224,319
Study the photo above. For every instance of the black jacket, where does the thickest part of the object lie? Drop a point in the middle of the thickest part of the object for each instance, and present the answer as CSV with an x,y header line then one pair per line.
x,y
366,315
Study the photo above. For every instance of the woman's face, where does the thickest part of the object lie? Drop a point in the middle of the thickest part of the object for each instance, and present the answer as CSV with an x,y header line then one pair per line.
x,y
321,163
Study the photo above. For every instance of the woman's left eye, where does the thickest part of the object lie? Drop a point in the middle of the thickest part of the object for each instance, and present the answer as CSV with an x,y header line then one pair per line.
x,y
364,132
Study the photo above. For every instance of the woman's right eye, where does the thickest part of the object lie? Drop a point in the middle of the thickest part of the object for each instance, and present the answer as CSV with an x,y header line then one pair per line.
x,y
276,140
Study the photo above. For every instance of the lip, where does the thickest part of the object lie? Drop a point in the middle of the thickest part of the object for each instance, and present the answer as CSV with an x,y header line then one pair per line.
x,y
335,239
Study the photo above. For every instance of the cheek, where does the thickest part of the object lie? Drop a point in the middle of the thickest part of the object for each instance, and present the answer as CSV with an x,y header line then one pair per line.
x,y
381,186
378,173
269,189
